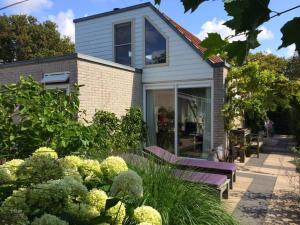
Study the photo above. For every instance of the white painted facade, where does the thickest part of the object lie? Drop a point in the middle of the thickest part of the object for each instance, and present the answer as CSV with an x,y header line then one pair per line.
x,y
185,68
95,37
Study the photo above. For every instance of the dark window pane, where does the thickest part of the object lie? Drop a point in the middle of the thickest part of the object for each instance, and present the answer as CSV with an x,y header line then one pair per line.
x,y
123,33
123,54
155,45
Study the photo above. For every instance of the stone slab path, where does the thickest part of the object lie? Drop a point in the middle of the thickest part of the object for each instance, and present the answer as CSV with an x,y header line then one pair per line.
x,y
267,188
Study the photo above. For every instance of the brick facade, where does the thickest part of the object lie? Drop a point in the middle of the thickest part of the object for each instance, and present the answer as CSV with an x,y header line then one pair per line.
x,y
219,134
107,86
11,73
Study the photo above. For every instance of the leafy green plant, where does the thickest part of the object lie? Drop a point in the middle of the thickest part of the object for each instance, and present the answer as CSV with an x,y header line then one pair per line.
x,y
253,90
179,202
31,116
133,128
68,197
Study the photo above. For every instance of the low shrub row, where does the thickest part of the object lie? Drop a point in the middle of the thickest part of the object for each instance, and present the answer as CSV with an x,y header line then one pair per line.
x,y
46,190
31,116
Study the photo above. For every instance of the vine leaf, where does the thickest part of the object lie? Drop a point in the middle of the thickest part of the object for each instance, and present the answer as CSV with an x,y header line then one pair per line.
x,y
214,44
247,14
191,5
290,33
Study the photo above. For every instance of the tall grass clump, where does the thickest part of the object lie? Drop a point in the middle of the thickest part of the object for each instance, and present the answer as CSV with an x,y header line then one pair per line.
x,y
179,202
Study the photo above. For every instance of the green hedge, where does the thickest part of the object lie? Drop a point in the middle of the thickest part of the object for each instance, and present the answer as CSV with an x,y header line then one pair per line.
x,y
31,116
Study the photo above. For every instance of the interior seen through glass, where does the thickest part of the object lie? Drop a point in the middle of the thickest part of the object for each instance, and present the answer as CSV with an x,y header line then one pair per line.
x,y
193,117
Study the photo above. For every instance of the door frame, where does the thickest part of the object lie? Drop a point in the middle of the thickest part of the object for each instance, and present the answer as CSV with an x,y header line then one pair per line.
x,y
181,84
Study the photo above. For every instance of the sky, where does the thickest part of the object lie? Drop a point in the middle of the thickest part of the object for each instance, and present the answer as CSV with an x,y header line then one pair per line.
x,y
209,17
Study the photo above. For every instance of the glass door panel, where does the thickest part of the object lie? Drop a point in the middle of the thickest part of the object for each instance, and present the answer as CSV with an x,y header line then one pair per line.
x,y
160,118
194,122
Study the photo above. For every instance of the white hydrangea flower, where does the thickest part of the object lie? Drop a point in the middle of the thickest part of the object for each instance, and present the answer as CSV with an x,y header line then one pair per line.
x,y
147,214
45,151
127,183
117,213
97,198
5,175
48,219
112,166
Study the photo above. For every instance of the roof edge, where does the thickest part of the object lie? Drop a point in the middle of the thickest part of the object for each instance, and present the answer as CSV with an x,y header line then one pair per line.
x,y
99,15
70,57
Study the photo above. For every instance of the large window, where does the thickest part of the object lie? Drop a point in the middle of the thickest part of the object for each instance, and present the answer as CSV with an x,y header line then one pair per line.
x,y
189,109
123,51
155,45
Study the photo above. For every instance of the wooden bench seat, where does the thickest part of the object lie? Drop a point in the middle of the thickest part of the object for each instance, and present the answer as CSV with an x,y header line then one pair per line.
x,y
219,182
223,168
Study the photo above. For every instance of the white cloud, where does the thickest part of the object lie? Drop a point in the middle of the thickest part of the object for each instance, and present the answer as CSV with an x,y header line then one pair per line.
x,y
267,51
64,21
265,34
290,50
216,26
29,6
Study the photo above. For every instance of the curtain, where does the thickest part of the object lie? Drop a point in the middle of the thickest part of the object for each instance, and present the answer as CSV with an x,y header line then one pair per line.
x,y
150,118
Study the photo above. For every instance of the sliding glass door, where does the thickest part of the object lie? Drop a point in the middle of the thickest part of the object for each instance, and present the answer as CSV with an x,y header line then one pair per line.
x,y
194,122
179,120
160,118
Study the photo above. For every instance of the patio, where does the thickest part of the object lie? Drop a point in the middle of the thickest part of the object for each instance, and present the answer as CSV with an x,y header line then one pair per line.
x,y
266,188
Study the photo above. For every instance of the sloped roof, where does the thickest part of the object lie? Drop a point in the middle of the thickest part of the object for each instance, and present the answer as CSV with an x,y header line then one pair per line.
x,y
190,38
193,39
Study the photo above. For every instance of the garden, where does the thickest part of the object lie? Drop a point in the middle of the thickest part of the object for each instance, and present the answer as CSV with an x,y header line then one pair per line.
x,y
59,169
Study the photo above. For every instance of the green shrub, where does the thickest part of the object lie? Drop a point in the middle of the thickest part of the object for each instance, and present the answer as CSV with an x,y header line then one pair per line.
x,y
63,199
133,128
126,133
31,116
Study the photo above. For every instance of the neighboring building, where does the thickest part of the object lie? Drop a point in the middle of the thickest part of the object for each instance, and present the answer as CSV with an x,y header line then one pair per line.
x,y
181,93
106,85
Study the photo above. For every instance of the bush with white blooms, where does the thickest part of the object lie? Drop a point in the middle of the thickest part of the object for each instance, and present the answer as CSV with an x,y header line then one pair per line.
x,y
47,190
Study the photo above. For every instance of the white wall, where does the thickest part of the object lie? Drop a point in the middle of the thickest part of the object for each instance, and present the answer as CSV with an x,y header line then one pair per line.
x,y
95,37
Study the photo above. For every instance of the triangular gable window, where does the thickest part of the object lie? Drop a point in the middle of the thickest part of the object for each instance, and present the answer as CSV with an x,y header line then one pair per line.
x,y
155,45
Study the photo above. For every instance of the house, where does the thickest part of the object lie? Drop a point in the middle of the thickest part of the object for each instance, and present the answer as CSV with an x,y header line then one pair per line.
x,y
139,56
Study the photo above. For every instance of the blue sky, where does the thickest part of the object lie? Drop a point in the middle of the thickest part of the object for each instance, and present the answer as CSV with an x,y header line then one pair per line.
x,y
208,18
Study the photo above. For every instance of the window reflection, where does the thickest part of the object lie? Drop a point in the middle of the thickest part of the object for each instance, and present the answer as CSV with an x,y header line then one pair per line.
x,y
155,45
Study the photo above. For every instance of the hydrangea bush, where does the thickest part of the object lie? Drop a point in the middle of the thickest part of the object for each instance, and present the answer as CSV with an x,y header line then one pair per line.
x,y
46,190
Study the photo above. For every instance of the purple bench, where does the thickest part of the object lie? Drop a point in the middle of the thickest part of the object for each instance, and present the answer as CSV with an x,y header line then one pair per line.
x,y
219,182
224,168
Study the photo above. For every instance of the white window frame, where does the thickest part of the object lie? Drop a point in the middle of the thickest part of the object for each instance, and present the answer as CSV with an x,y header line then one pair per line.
x,y
175,86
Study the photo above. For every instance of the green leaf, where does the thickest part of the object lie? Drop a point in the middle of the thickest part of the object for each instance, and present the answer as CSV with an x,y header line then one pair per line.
x,y
247,14
238,50
214,44
191,5
290,33
111,202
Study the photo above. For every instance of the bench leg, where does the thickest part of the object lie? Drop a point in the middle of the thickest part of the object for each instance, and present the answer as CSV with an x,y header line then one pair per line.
x,y
226,192
234,176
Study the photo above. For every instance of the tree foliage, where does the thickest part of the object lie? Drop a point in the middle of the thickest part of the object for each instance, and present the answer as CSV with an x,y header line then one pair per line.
x,y
257,88
23,37
246,16
293,68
